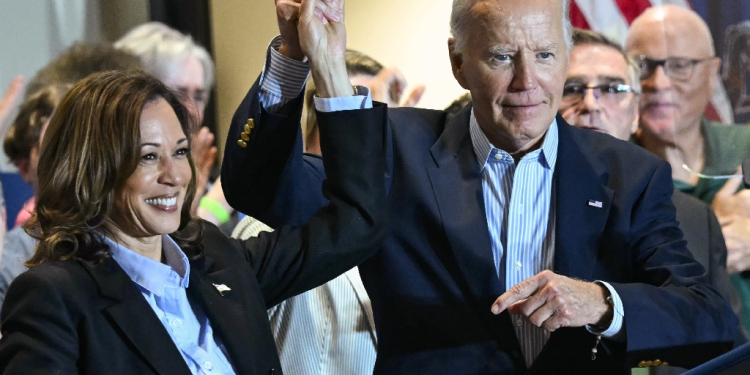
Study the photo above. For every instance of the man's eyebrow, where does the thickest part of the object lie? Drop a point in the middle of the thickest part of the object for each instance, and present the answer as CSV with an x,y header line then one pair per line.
x,y
611,79
576,79
548,47
497,50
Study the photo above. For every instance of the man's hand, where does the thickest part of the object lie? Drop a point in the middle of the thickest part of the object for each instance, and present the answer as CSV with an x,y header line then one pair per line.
x,y
204,156
728,201
322,36
388,87
552,301
736,231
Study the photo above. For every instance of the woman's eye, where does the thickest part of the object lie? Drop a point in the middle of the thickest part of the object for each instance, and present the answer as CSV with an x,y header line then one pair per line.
x,y
151,156
183,151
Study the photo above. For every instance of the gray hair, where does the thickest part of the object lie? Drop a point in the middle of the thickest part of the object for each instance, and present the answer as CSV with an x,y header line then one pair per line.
x,y
460,20
581,37
163,49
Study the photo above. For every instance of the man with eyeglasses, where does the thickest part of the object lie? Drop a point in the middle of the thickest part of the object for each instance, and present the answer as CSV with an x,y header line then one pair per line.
x,y
678,76
601,93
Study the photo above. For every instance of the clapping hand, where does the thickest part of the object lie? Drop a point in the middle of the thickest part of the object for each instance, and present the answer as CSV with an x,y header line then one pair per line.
x,y
732,208
388,87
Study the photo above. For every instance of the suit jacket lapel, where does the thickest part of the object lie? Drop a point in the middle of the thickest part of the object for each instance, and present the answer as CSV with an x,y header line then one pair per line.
x,y
457,183
228,313
136,319
364,300
583,204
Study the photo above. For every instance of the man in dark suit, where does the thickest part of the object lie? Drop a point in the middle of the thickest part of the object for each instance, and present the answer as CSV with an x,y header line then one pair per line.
x,y
601,93
582,269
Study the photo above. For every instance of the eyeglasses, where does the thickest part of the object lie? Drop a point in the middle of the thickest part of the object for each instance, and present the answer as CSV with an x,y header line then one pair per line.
x,y
609,93
677,68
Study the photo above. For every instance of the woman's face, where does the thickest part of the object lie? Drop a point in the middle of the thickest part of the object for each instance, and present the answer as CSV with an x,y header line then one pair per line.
x,y
151,201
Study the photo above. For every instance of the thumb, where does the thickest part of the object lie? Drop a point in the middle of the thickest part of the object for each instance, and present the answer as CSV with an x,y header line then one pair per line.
x,y
731,186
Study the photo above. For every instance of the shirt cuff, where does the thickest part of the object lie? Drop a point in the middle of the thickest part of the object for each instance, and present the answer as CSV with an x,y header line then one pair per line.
x,y
618,315
283,78
363,100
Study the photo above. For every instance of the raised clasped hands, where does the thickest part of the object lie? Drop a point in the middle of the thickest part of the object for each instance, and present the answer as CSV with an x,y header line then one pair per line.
x,y
553,301
315,29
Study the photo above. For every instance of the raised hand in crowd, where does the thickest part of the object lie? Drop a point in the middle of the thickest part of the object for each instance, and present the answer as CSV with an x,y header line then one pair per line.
x,y
204,155
388,87
732,208
15,88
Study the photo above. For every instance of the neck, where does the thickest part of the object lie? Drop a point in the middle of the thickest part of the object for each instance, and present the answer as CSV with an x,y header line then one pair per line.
x,y
517,148
688,148
149,247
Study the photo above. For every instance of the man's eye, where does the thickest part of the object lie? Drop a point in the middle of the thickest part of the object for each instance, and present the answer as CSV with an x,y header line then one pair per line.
x,y
545,55
570,90
610,89
502,57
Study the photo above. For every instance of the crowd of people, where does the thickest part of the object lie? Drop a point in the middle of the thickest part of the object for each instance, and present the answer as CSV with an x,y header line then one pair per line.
x,y
570,214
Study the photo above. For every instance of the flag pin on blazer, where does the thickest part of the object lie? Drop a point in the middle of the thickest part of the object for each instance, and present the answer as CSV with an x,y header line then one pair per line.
x,y
222,288
597,204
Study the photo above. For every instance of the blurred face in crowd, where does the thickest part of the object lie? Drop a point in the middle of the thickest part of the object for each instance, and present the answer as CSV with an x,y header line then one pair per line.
x,y
679,70
594,97
150,202
30,172
189,80
514,63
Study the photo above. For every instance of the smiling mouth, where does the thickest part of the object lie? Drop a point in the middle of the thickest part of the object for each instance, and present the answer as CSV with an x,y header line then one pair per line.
x,y
162,201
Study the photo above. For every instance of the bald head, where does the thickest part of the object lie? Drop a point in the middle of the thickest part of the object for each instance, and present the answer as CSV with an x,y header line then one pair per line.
x,y
674,29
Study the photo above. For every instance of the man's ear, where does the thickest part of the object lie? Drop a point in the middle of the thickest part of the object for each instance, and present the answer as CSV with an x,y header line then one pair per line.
x,y
634,125
457,63
714,78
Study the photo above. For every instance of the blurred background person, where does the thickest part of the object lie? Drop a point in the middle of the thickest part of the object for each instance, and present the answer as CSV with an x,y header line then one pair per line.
x,y
601,94
125,280
181,64
678,75
23,142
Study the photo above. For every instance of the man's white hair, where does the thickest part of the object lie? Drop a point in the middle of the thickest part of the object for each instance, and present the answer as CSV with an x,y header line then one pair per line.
x,y
460,20
163,49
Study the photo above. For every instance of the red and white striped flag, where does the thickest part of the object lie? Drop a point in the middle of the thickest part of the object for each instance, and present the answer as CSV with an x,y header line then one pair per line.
x,y
613,17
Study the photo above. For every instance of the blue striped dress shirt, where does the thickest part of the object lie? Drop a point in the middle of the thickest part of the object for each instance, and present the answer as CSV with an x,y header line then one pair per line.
x,y
519,199
164,288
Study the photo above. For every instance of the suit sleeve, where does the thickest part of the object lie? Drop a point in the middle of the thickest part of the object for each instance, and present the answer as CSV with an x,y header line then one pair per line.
x,y
39,335
346,231
270,178
670,303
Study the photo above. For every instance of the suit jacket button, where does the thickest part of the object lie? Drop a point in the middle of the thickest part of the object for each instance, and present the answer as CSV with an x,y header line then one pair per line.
x,y
245,137
242,143
657,362
642,364
250,123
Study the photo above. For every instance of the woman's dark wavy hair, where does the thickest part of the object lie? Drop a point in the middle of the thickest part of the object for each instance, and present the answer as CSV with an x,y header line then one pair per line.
x,y
91,147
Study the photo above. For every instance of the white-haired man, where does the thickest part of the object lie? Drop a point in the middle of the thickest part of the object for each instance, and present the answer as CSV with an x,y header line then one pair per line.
x,y
514,244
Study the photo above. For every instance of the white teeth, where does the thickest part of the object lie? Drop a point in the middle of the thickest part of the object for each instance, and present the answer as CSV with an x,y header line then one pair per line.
x,y
162,201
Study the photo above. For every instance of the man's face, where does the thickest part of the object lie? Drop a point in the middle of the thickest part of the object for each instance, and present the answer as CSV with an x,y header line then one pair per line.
x,y
597,65
668,106
514,63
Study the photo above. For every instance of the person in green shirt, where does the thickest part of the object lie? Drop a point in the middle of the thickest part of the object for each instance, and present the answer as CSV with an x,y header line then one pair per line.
x,y
679,73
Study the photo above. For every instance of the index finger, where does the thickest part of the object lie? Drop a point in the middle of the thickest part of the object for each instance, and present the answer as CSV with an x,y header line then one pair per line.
x,y
518,292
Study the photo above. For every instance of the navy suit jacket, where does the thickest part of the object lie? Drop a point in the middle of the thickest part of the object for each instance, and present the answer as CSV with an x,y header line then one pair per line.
x,y
433,282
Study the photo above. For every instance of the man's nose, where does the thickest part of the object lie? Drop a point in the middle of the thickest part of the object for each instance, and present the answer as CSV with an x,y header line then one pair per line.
x,y
590,102
524,75
657,81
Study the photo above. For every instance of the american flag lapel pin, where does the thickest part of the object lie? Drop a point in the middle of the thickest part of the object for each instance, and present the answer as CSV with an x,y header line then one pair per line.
x,y
222,288
596,204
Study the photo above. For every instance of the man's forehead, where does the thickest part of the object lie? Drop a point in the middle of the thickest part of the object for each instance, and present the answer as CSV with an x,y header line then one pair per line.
x,y
596,61
669,35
